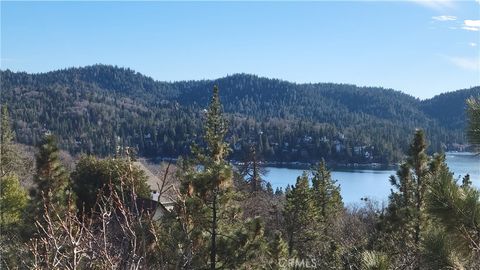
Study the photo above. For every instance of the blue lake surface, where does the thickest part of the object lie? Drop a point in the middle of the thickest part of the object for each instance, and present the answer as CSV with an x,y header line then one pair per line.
x,y
375,184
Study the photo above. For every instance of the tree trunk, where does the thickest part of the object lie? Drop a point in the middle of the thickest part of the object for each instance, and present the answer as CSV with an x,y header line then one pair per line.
x,y
213,250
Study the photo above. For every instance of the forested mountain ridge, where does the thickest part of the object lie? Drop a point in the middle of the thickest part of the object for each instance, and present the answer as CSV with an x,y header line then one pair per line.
x,y
97,108
449,108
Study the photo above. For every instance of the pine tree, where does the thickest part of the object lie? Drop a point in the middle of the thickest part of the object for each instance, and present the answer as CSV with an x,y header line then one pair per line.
x,y
407,218
418,161
218,172
13,200
301,218
269,188
51,180
329,205
326,194
438,250
252,170
278,250
466,182
456,208
208,213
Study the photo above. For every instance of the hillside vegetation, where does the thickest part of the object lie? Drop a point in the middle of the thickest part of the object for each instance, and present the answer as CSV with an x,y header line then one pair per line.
x,y
98,108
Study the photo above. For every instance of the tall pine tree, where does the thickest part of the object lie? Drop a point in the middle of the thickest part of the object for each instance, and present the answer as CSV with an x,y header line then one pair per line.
x,y
407,220
301,219
209,217
326,194
252,170
51,180
329,205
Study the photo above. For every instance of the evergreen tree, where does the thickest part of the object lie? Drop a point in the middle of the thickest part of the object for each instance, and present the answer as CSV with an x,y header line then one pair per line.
x,y
93,175
51,180
13,200
456,208
218,172
269,188
438,250
466,182
208,213
418,161
407,219
301,217
326,194
252,170
278,250
329,205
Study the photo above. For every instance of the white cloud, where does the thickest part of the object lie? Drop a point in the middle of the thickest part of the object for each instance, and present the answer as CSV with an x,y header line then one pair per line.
x,y
443,18
465,63
436,4
471,25
473,44
470,28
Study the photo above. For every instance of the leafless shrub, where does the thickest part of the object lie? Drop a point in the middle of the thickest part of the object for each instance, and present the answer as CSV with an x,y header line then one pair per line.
x,y
118,234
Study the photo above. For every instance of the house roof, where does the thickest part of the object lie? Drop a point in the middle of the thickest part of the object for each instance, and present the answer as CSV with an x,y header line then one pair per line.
x,y
161,180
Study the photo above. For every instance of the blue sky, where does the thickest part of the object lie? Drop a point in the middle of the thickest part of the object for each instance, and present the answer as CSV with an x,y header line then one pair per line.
x,y
422,48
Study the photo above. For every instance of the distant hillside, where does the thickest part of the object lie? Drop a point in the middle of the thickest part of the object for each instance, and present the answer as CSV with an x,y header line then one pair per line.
x,y
97,108
449,109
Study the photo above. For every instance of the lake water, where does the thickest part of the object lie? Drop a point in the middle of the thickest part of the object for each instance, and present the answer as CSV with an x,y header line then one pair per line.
x,y
375,184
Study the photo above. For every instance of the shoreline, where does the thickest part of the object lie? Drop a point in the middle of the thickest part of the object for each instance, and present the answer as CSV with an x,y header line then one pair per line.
x,y
330,165
298,164
308,165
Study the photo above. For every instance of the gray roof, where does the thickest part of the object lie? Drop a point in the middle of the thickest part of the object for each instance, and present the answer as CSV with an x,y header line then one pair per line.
x,y
161,179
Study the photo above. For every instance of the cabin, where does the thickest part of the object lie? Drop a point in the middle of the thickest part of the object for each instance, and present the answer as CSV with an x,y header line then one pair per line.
x,y
163,185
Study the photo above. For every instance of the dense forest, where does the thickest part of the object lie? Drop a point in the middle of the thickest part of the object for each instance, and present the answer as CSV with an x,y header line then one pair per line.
x,y
99,109
101,213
